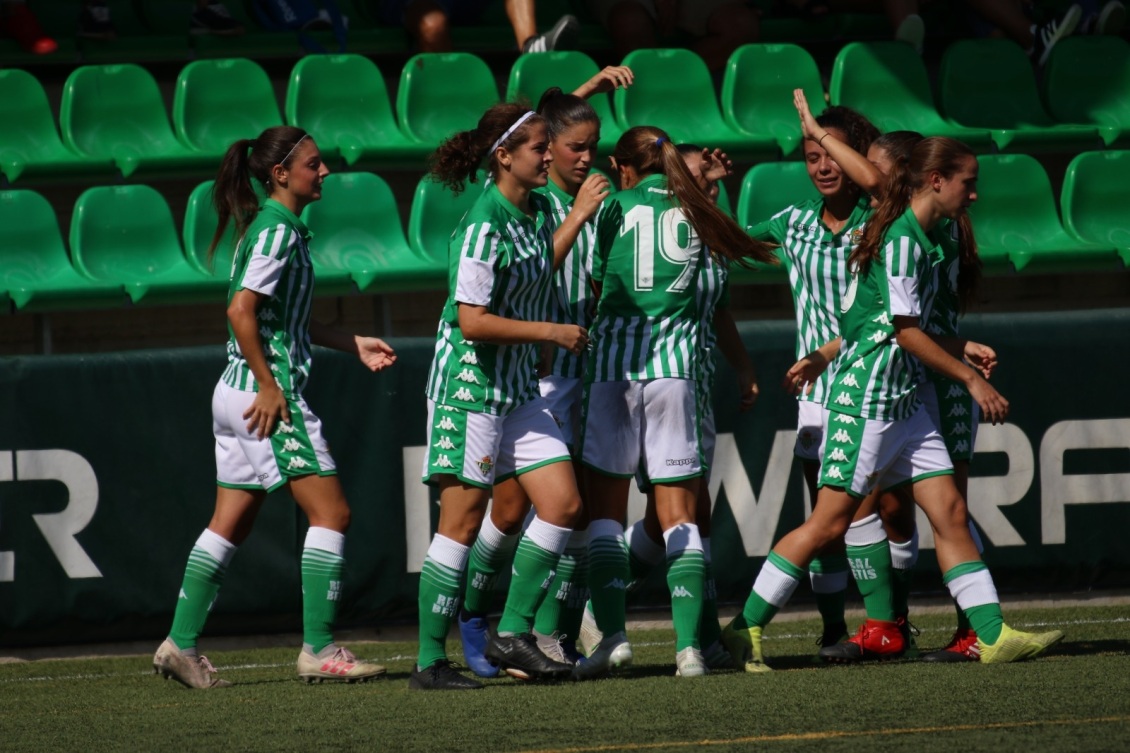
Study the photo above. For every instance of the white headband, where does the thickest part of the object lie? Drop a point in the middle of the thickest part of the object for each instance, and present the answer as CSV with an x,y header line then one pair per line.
x,y
509,131
296,143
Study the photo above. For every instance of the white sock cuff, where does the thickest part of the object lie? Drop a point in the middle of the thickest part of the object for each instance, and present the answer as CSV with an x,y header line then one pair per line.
x,y
865,532
706,549
326,540
974,590
605,528
449,553
494,538
642,546
682,538
774,584
548,536
973,532
828,583
904,555
216,545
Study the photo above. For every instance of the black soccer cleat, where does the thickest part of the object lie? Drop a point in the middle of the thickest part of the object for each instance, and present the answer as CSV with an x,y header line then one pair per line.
x,y
441,676
520,656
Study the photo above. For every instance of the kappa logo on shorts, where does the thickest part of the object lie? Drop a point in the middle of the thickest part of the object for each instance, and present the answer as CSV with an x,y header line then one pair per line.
x,y
266,315
850,381
275,351
842,419
291,445
265,332
842,436
858,364
838,455
447,424
961,447
883,319
955,391
877,337
296,463
843,399
834,473
284,428
443,462
469,358
486,464
678,462
463,394
958,410
806,439
960,429
466,375
445,443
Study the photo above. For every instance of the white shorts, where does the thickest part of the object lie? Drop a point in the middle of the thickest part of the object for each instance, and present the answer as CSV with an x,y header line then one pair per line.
x,y
709,438
957,417
243,461
860,453
650,425
810,420
482,449
563,398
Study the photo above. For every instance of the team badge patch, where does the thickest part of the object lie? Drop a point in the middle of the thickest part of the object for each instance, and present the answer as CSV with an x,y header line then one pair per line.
x,y
806,439
486,464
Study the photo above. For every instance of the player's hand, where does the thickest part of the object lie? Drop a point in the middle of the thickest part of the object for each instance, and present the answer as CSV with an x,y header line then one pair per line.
x,y
804,372
609,79
571,337
809,128
375,353
748,391
268,407
716,165
591,195
994,408
981,357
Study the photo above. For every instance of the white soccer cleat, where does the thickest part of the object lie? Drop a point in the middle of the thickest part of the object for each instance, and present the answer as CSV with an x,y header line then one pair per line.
x,y
689,663
611,653
188,669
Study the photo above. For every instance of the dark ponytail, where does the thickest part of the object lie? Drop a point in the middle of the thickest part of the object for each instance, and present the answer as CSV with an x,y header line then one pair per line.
x,y
649,151
457,159
563,111
248,160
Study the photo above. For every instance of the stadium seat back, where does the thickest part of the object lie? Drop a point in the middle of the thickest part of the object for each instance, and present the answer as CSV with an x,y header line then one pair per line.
x,y
532,74
1074,92
672,90
435,213
757,90
770,187
217,102
1095,197
358,227
443,93
124,233
200,221
33,244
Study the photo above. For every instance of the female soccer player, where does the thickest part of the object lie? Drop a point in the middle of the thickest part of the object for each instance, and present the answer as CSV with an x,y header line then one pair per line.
x,y
266,435
641,408
486,418
877,433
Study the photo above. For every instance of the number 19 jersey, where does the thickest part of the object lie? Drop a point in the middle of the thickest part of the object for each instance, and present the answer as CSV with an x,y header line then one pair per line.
x,y
647,261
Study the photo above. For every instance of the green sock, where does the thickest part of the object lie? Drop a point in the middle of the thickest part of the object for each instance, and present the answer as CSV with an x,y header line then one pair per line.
x,y
321,591
962,620
775,583
831,571
971,583
608,579
573,610
490,555
710,631
533,571
871,566
440,587
685,575
547,621
202,579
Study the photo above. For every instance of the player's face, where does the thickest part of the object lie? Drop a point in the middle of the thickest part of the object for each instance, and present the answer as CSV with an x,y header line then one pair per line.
x,y
574,151
956,193
694,167
529,162
306,172
822,169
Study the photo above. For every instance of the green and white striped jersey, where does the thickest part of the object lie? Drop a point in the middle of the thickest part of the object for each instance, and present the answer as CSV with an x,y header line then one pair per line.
x,y
502,259
711,293
942,317
647,263
873,377
572,301
272,258
816,259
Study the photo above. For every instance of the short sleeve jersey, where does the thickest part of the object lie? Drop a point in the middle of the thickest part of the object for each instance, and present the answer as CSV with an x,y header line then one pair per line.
x,y
647,263
572,301
816,258
501,259
711,293
873,377
273,258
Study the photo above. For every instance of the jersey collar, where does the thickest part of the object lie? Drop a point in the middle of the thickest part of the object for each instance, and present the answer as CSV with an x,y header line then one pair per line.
x,y
290,217
559,192
920,236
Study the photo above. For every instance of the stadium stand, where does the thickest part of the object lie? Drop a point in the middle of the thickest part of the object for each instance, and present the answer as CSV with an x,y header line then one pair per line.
x,y
217,102
443,93
435,213
1073,91
1094,199
200,223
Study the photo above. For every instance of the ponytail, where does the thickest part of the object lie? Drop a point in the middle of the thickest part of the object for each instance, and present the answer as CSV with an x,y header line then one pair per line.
x,y
456,161
896,198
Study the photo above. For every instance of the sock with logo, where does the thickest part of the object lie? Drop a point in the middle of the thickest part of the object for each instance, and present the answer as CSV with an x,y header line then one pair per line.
x,y
535,565
828,575
322,562
971,586
710,631
441,581
904,556
644,553
207,563
869,556
608,574
491,553
548,619
775,583
686,575
572,610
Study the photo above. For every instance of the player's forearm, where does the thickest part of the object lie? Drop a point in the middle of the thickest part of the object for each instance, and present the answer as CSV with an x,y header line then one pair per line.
x,y
245,328
936,358
484,327
329,337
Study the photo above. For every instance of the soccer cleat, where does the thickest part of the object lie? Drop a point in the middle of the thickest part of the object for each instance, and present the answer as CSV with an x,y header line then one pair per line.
x,y
441,676
590,633
1016,645
1048,34
340,666
832,635
909,632
520,656
963,647
475,633
188,669
717,657
690,663
214,18
876,640
556,647
745,648
611,653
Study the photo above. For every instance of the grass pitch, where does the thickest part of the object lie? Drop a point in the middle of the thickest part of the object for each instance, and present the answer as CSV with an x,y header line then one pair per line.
x,y
1075,699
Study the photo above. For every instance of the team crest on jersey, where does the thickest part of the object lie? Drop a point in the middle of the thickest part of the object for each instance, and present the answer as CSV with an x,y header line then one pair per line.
x,y
486,464
806,439
857,235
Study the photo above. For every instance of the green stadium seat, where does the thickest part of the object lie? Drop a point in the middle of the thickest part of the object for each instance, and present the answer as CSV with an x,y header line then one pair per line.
x,y
125,235
200,222
344,104
217,102
358,236
988,83
1094,200
1074,90
30,148
770,187
443,93
757,91
1015,219
34,269
887,82
435,213
532,74
673,90
116,112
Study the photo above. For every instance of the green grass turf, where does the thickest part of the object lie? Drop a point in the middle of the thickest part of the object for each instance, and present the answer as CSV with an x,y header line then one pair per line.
x,y
1076,698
